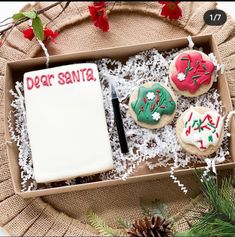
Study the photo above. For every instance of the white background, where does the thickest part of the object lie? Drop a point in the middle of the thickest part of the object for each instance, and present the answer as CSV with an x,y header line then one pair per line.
x,y
7,9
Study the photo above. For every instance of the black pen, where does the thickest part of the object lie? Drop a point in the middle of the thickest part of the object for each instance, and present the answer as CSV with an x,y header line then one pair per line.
x,y
118,121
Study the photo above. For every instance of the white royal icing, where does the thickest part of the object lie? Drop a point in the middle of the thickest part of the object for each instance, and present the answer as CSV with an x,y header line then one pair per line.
x,y
150,95
181,76
202,130
156,116
66,122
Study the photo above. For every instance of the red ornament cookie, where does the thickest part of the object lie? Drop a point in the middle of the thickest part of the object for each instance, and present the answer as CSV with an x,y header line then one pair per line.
x,y
192,73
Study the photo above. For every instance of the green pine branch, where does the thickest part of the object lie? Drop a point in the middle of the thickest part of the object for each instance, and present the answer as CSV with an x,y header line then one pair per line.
x,y
124,223
101,226
219,220
155,208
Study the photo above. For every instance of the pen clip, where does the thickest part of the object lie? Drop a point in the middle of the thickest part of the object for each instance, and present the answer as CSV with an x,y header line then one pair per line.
x,y
113,90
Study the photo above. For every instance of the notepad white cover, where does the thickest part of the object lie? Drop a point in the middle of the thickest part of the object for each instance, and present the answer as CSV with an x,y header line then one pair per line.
x,y
66,123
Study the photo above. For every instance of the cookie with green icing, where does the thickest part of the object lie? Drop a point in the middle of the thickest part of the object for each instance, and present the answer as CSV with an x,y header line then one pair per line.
x,y
152,105
200,130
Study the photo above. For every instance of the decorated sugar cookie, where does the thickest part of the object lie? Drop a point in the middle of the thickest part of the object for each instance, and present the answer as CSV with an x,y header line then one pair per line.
x,y
200,130
152,105
192,73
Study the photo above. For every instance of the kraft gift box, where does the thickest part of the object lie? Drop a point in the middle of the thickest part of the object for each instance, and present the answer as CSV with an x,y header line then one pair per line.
x,y
15,71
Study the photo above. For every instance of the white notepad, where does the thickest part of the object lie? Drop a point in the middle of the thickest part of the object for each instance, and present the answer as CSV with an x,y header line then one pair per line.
x,y
66,122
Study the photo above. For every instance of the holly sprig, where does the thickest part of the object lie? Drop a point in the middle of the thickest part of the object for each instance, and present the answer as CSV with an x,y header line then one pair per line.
x,y
36,22
19,18
21,15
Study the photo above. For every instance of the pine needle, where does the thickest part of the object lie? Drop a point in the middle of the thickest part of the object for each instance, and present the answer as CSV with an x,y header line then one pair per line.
x,y
154,208
101,226
219,221
124,223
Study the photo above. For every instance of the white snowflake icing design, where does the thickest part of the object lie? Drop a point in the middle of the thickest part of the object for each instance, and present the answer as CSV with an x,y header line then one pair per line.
x,y
181,76
156,116
150,95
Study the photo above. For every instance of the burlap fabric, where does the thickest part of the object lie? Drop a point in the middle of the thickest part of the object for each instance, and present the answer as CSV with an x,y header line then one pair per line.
x,y
131,23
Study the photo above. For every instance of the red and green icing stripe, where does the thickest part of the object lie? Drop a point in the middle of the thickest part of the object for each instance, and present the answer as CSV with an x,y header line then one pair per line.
x,y
198,125
197,71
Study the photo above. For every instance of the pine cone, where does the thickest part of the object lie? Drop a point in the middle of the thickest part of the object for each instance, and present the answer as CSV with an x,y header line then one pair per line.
x,y
153,227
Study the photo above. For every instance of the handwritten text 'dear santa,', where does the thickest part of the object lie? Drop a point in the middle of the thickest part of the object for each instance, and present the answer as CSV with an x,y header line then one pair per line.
x,y
61,78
